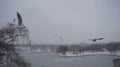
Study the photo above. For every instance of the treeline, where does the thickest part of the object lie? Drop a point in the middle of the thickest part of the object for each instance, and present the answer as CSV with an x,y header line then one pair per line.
x,y
111,47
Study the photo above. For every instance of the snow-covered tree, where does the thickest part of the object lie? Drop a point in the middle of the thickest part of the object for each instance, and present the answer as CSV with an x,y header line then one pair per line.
x,y
8,37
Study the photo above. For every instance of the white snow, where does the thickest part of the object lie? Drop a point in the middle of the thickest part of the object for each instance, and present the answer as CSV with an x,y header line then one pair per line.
x,y
89,53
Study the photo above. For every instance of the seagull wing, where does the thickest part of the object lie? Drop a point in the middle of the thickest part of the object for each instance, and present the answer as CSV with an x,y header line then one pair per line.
x,y
100,38
14,19
94,40
60,37
19,19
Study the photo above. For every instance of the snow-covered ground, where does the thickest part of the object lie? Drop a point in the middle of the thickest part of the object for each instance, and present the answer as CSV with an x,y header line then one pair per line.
x,y
89,53
50,59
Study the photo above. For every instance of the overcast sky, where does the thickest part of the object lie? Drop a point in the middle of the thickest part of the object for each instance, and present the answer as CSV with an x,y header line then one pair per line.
x,y
75,21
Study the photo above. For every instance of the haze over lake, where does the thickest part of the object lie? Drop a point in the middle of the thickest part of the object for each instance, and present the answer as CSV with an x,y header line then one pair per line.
x,y
75,21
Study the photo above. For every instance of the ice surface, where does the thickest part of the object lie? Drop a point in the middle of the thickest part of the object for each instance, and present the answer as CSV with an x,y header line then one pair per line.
x,y
49,59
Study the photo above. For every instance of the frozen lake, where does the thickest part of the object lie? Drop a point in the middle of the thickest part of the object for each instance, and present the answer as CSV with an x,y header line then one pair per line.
x,y
49,59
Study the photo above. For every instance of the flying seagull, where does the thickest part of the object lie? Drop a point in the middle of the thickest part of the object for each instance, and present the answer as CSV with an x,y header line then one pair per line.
x,y
94,40
60,37
19,19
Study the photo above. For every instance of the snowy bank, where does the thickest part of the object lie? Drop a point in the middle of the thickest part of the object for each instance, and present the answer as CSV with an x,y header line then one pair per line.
x,y
70,54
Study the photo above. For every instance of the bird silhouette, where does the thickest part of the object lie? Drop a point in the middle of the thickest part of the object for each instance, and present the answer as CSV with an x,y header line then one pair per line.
x,y
94,40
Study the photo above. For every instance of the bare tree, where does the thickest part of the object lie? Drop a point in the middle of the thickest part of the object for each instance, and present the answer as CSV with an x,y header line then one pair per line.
x,y
62,49
8,56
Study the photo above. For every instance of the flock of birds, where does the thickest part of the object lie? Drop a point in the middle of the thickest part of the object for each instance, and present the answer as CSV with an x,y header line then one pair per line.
x,y
94,40
60,37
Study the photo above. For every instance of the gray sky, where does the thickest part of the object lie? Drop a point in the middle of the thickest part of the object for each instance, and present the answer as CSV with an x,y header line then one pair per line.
x,y
74,20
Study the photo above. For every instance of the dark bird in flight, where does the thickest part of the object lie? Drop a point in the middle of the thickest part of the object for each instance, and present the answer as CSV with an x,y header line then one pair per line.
x,y
19,19
94,40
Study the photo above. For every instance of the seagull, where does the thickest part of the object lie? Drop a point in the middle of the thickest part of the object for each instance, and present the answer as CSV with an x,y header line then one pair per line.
x,y
94,40
60,37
